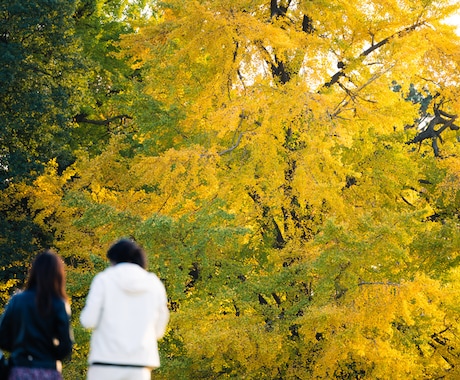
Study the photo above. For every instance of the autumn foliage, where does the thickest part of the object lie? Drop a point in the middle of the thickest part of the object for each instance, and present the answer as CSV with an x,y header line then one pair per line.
x,y
291,167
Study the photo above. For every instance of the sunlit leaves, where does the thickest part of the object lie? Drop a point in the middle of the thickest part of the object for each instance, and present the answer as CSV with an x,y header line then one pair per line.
x,y
266,169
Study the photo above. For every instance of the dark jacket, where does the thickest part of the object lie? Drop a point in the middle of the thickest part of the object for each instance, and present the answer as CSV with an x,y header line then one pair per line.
x,y
35,340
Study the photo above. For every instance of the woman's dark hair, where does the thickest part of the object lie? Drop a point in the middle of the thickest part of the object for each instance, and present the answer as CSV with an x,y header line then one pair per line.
x,y
127,251
47,277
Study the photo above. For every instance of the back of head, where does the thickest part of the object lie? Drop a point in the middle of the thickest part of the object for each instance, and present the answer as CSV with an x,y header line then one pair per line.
x,y
47,277
127,251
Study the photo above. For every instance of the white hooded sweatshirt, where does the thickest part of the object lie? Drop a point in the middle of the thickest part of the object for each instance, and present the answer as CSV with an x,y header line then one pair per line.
x,y
127,308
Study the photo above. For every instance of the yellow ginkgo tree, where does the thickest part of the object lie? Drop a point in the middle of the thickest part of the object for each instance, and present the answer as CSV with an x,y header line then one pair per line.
x,y
292,169
302,112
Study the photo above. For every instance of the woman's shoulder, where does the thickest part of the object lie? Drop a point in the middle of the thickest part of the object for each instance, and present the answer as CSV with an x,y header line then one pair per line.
x,y
58,301
20,298
61,305
22,295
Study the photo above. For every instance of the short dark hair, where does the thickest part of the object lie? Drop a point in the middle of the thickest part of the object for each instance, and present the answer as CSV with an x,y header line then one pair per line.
x,y
47,277
127,251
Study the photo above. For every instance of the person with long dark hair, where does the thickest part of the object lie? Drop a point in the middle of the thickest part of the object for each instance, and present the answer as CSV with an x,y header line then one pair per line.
x,y
127,309
35,327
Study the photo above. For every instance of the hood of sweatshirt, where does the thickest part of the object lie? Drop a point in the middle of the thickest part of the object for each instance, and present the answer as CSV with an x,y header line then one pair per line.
x,y
131,278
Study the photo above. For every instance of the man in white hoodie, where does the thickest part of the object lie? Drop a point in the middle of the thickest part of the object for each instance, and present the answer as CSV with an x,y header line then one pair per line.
x,y
127,309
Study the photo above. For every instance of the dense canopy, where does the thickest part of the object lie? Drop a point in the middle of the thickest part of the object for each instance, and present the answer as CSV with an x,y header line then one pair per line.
x,y
292,169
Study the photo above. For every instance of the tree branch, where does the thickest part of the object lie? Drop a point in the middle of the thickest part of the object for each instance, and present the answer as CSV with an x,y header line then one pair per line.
x,y
388,283
352,95
82,118
442,118
335,78
243,116
234,146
